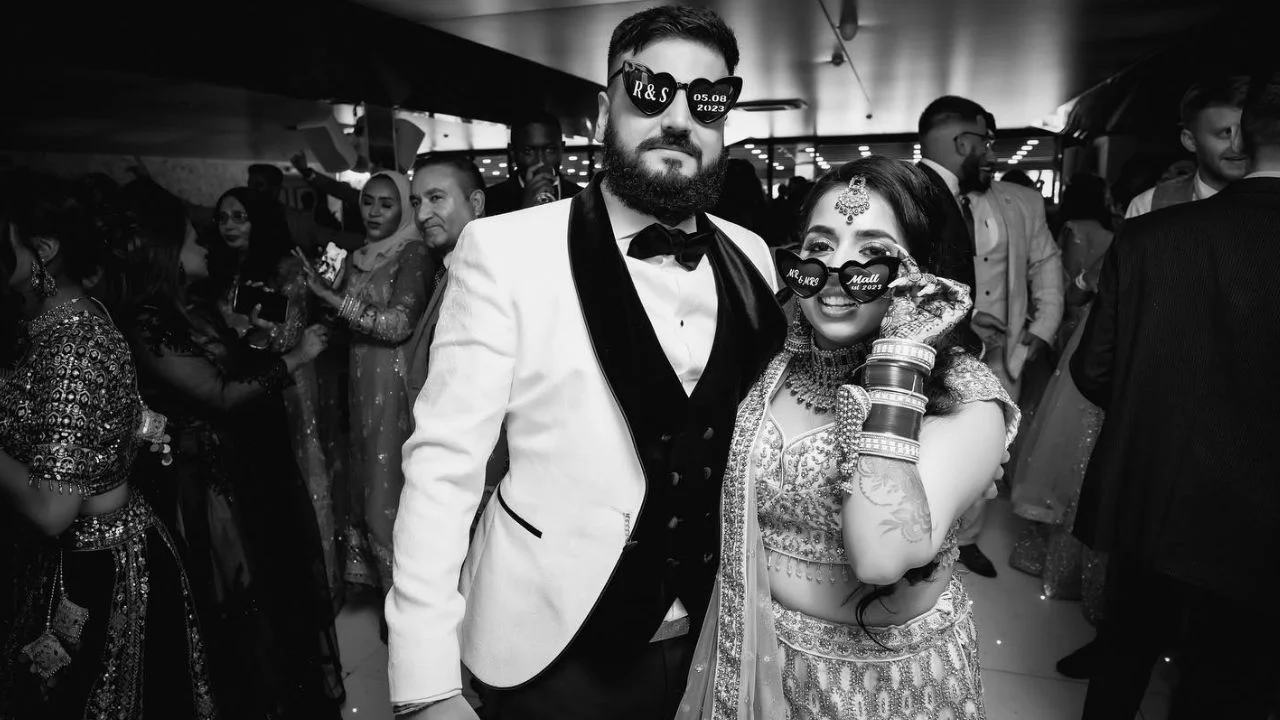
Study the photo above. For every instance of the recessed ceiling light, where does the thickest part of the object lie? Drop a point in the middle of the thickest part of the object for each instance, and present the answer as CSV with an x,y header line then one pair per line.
x,y
573,158
502,165
863,148
486,161
1025,148
1033,142
495,172
586,162
1012,161
916,146
749,146
808,150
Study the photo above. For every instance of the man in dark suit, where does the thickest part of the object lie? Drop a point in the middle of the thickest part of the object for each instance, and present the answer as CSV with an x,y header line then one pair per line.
x,y
1183,490
536,150
948,167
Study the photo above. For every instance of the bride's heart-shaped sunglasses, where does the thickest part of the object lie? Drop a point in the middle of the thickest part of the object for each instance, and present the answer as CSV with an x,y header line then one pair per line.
x,y
652,92
863,282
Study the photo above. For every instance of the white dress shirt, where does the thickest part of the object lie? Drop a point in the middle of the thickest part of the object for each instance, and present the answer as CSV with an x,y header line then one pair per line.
x,y
681,304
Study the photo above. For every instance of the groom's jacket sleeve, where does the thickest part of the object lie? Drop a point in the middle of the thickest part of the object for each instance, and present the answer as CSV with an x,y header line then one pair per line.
x,y
457,419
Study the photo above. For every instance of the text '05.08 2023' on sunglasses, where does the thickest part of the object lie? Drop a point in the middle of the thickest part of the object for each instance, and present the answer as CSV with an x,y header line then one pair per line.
x,y
652,92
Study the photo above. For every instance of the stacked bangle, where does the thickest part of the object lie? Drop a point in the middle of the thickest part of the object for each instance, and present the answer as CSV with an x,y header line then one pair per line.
x,y
351,309
895,379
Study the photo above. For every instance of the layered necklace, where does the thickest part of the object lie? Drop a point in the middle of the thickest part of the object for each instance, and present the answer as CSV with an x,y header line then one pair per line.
x,y
817,374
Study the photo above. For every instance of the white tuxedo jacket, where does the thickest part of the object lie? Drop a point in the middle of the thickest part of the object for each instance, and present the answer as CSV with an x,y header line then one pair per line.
x,y
1034,291
512,344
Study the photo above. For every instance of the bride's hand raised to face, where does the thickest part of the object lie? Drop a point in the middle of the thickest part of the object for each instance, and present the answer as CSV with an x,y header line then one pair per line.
x,y
924,307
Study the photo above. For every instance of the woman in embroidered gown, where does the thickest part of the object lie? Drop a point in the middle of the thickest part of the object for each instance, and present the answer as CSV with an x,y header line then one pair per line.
x,y
1059,438
380,294
837,595
233,493
251,245
105,626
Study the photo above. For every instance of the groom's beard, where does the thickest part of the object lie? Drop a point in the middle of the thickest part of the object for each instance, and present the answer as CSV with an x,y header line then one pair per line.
x,y
668,196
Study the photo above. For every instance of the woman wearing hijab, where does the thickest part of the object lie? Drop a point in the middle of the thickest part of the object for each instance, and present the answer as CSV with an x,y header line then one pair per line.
x,y
380,294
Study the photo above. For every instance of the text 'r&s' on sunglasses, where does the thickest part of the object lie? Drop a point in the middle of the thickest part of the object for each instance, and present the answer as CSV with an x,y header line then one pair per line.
x,y
652,92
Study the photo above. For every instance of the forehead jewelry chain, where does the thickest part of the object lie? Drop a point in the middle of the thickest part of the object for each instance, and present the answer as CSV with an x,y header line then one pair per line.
x,y
855,199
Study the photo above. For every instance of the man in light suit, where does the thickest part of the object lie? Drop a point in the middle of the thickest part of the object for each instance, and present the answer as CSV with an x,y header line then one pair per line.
x,y
1017,268
614,334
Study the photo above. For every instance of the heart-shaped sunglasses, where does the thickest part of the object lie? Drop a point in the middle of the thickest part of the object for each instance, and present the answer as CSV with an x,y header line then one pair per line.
x,y
652,92
863,282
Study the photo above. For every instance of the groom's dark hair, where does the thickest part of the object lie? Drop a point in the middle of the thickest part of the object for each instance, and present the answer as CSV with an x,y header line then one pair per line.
x,y
673,21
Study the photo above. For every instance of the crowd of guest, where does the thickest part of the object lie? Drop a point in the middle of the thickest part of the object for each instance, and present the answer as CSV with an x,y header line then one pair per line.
x,y
221,405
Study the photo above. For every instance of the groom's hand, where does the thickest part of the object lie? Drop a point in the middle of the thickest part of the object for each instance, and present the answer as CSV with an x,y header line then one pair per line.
x,y
454,708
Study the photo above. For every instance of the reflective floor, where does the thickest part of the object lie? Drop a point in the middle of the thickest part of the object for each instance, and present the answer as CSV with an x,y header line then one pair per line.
x,y
1022,638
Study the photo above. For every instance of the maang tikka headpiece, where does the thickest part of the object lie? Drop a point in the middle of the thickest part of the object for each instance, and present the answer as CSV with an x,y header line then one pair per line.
x,y
855,199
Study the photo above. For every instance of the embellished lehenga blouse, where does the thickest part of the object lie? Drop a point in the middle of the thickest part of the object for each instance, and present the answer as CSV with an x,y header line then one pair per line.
x,y
782,509
104,608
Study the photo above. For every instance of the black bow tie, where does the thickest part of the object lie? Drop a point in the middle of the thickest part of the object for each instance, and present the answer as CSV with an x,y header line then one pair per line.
x,y
686,248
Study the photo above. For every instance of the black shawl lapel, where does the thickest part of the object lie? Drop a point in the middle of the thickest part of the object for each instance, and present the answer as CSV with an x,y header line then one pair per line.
x,y
759,325
626,345
629,352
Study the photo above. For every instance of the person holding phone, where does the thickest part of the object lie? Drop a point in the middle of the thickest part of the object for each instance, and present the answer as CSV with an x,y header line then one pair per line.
x,y
536,151
232,496
261,292
380,295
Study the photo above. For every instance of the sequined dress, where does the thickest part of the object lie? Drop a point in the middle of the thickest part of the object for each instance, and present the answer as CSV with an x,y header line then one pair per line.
x,y
69,412
1059,443
782,508
394,293
238,505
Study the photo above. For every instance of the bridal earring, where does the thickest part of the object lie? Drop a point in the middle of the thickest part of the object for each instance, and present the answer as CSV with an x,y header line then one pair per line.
x,y
800,335
41,281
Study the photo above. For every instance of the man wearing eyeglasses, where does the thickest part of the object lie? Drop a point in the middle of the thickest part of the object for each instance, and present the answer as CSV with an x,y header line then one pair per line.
x,y
999,243
537,147
615,335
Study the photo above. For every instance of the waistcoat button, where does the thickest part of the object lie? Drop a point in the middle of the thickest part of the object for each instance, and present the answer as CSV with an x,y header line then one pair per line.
x,y
666,437
675,479
708,434
706,473
674,522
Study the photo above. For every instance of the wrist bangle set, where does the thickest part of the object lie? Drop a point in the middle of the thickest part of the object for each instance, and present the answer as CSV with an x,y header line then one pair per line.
x,y
351,309
895,379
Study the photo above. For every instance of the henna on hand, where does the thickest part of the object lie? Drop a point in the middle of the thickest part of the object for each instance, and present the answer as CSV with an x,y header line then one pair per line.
x,y
896,486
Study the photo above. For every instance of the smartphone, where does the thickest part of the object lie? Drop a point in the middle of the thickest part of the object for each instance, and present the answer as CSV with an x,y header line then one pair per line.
x,y
274,305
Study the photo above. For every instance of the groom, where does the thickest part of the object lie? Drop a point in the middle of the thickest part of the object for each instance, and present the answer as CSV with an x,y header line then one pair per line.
x,y
614,334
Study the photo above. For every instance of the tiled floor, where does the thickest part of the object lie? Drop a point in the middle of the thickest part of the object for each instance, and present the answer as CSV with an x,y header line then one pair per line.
x,y
1022,637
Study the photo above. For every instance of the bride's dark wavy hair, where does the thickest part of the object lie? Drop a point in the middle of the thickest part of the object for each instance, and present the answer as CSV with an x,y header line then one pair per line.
x,y
917,205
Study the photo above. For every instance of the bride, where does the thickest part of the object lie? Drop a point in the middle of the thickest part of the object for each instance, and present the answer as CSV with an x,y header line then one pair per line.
x,y
853,457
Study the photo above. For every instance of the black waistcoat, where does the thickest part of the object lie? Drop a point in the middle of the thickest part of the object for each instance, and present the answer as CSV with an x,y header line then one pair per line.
x,y
682,441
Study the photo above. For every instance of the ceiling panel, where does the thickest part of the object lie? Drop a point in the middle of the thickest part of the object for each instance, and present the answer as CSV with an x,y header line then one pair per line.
x,y
1021,58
